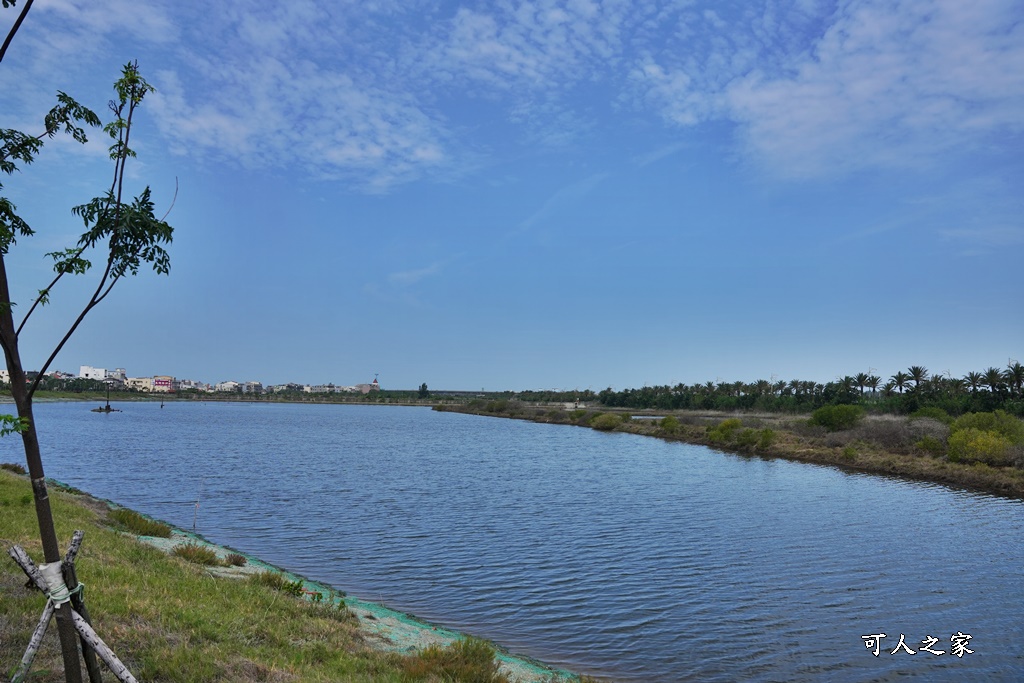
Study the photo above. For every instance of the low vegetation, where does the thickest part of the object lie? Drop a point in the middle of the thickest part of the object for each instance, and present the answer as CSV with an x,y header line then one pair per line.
x,y
197,554
135,523
170,620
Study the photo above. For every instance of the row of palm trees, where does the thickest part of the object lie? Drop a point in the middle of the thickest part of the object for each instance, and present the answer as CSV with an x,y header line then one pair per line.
x,y
910,387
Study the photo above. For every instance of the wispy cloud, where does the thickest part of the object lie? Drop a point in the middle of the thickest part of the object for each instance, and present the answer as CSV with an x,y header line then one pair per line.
x,y
888,84
411,277
386,92
987,238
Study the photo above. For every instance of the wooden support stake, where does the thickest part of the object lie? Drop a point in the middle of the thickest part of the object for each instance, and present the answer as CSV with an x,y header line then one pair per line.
x,y
76,543
78,603
33,644
29,567
109,658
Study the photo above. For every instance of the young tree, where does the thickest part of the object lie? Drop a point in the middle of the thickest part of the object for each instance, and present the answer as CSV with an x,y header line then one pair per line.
x,y
126,235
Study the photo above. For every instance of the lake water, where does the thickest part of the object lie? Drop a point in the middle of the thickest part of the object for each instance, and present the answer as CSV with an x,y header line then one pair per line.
x,y
610,554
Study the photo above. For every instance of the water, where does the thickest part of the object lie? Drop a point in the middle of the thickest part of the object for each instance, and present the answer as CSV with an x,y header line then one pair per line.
x,y
610,554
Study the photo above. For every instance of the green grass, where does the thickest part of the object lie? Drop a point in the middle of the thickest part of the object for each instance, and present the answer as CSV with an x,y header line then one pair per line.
x,y
137,524
172,621
197,554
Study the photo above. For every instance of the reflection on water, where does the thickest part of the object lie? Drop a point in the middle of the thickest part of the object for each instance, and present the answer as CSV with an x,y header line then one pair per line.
x,y
604,553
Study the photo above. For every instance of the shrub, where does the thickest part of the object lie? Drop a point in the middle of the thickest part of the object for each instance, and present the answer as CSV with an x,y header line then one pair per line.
x,y
199,554
11,467
747,439
577,414
975,445
932,412
723,431
606,422
464,661
496,406
837,418
850,453
137,524
669,424
766,439
931,445
1000,422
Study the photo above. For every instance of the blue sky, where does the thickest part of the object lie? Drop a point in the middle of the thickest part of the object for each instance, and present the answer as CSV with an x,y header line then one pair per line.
x,y
550,194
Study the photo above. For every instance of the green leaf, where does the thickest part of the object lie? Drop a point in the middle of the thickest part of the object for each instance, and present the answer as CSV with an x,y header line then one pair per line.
x,y
69,261
9,424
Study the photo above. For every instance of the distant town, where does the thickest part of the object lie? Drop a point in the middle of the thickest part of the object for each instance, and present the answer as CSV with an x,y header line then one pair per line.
x,y
118,380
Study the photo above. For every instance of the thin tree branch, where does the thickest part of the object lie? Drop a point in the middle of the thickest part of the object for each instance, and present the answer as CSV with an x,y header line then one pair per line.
x,y
47,290
173,200
14,29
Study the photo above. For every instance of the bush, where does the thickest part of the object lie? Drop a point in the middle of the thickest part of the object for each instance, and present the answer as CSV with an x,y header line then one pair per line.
x,y
199,554
934,413
606,422
747,439
669,424
999,422
931,445
137,524
11,467
723,431
496,406
766,439
975,445
837,418
464,661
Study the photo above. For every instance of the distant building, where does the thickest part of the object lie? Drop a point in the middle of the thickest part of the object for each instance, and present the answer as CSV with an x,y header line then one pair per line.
x,y
164,384
140,383
252,388
89,372
229,386
367,388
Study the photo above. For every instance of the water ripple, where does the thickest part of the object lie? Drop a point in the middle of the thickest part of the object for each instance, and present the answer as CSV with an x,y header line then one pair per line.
x,y
605,553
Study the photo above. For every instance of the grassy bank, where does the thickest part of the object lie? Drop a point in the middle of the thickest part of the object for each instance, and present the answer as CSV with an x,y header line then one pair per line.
x,y
915,447
171,619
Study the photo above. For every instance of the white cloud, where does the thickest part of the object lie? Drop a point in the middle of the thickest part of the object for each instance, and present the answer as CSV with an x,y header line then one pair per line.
x,y
888,84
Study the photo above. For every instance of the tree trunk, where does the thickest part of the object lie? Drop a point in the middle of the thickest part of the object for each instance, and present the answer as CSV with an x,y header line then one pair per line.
x,y
33,458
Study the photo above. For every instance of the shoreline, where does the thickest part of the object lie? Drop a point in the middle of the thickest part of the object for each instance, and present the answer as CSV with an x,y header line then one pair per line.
x,y
786,444
382,629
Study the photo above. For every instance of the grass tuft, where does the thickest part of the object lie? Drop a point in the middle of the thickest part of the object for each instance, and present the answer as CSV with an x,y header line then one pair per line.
x,y
235,560
198,554
464,661
137,524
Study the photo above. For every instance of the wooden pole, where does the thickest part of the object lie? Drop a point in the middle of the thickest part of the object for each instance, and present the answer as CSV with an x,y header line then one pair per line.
x,y
106,654
78,603
85,631
33,644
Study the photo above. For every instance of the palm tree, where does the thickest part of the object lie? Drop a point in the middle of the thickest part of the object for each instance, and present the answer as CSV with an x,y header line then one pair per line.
x,y
873,382
1014,376
862,380
887,388
900,380
974,380
994,379
918,373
